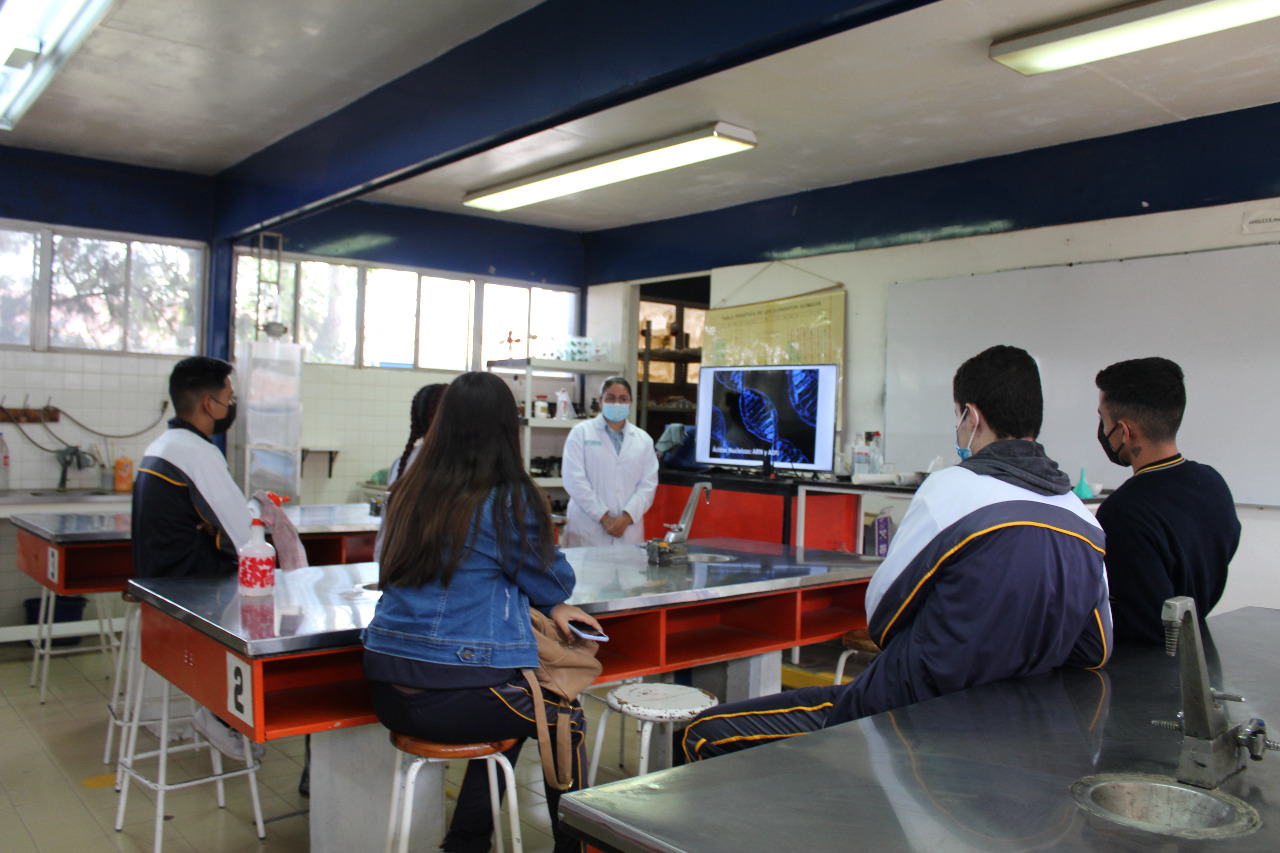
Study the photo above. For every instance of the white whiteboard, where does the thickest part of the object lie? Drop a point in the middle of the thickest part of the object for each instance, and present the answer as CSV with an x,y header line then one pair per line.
x,y
1215,313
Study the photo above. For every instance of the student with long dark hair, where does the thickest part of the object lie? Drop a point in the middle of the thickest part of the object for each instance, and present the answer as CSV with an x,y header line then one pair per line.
x,y
422,413
468,550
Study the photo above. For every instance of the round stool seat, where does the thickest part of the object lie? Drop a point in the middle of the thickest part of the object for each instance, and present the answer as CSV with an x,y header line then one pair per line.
x,y
430,752
660,703
448,751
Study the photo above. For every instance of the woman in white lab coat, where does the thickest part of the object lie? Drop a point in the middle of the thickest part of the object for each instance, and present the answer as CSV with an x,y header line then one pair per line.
x,y
610,471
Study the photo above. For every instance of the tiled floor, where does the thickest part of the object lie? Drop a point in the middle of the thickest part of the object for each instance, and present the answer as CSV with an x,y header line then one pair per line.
x,y
56,796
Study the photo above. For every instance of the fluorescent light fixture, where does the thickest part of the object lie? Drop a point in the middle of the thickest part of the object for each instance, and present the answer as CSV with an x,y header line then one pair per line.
x,y
36,38
1127,29
715,140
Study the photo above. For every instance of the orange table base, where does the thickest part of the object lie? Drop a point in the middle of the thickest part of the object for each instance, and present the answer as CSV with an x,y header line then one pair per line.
x,y
75,569
831,519
292,694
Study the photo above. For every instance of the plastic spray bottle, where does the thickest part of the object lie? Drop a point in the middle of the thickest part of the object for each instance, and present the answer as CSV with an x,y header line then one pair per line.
x,y
257,562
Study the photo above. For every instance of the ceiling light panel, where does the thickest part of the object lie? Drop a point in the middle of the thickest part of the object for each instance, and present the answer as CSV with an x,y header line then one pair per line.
x,y
1137,26
708,143
36,38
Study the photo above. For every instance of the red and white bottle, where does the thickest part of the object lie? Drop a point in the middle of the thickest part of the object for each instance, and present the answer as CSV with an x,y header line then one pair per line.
x,y
257,562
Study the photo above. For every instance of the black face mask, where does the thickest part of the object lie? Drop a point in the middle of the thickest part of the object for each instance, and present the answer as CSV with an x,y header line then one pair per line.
x,y
224,423
1104,438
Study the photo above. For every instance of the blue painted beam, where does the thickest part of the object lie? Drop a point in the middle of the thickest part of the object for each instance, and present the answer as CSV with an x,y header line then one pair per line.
x,y
83,193
559,61
1195,163
219,307
470,245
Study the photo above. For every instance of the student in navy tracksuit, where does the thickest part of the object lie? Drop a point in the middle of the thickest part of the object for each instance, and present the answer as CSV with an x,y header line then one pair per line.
x,y
996,572
189,516
1171,527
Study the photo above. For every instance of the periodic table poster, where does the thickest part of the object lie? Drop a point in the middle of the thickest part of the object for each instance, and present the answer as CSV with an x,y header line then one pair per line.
x,y
804,329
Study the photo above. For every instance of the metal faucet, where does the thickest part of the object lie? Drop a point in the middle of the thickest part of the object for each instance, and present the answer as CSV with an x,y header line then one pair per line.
x,y
678,533
662,551
1213,749
71,455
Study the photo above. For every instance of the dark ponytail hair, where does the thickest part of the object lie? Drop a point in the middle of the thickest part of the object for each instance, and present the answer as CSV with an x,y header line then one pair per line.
x,y
471,452
422,411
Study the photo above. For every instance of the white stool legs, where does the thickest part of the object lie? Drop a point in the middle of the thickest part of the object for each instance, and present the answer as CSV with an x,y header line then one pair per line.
x,y
405,777
650,703
120,705
161,785
107,642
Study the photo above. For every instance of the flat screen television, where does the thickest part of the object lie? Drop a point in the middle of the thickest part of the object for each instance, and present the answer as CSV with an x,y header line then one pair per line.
x,y
783,413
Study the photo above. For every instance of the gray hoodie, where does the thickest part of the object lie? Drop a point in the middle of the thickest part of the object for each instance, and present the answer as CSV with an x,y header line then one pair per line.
x,y
1020,463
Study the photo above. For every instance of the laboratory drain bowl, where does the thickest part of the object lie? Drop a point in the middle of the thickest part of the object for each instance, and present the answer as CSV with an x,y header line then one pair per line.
x,y
700,557
1162,805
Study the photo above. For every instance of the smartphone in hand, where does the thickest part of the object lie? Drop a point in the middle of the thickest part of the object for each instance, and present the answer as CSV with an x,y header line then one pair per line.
x,y
588,632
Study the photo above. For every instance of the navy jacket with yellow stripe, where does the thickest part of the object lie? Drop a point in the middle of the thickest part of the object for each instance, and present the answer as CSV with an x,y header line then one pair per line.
x,y
991,575
189,516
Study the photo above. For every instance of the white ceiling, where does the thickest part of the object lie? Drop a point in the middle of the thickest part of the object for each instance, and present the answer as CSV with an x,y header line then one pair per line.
x,y
198,85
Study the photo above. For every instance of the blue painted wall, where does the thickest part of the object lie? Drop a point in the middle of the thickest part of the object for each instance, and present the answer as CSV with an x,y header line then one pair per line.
x,y
1196,163
408,236
61,190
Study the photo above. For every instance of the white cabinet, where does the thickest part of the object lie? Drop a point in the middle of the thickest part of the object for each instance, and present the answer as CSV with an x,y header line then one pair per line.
x,y
528,366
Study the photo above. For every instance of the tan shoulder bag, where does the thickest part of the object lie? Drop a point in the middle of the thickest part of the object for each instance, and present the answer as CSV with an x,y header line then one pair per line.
x,y
564,669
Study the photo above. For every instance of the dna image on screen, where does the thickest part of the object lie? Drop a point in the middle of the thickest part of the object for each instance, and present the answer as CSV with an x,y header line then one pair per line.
x,y
784,414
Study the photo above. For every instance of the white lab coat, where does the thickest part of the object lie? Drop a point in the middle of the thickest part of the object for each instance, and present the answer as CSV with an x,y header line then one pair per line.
x,y
600,479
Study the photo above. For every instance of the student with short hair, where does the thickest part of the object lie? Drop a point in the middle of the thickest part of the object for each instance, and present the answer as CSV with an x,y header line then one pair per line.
x,y
1171,527
996,572
189,517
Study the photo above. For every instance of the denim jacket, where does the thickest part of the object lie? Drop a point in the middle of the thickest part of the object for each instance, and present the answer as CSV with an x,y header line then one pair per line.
x,y
482,617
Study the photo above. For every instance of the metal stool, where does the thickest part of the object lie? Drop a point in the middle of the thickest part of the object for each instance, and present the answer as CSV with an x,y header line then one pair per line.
x,y
857,640
603,700
424,752
120,703
161,785
650,703
108,643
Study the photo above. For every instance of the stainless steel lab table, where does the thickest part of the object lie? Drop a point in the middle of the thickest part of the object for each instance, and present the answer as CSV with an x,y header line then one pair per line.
x,y
290,663
986,769
76,553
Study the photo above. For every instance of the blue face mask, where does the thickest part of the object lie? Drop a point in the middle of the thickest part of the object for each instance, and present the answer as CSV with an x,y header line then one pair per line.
x,y
614,412
964,452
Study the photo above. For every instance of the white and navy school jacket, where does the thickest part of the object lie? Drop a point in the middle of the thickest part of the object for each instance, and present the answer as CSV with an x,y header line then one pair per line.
x,y
984,580
182,483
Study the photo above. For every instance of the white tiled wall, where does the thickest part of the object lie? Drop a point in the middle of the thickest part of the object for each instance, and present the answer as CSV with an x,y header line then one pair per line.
x,y
364,414
115,394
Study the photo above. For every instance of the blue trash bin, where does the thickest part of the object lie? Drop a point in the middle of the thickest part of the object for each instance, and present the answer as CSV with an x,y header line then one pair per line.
x,y
66,608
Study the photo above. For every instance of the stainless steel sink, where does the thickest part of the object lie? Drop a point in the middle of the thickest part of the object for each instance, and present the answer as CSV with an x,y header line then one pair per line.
x,y
1162,805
